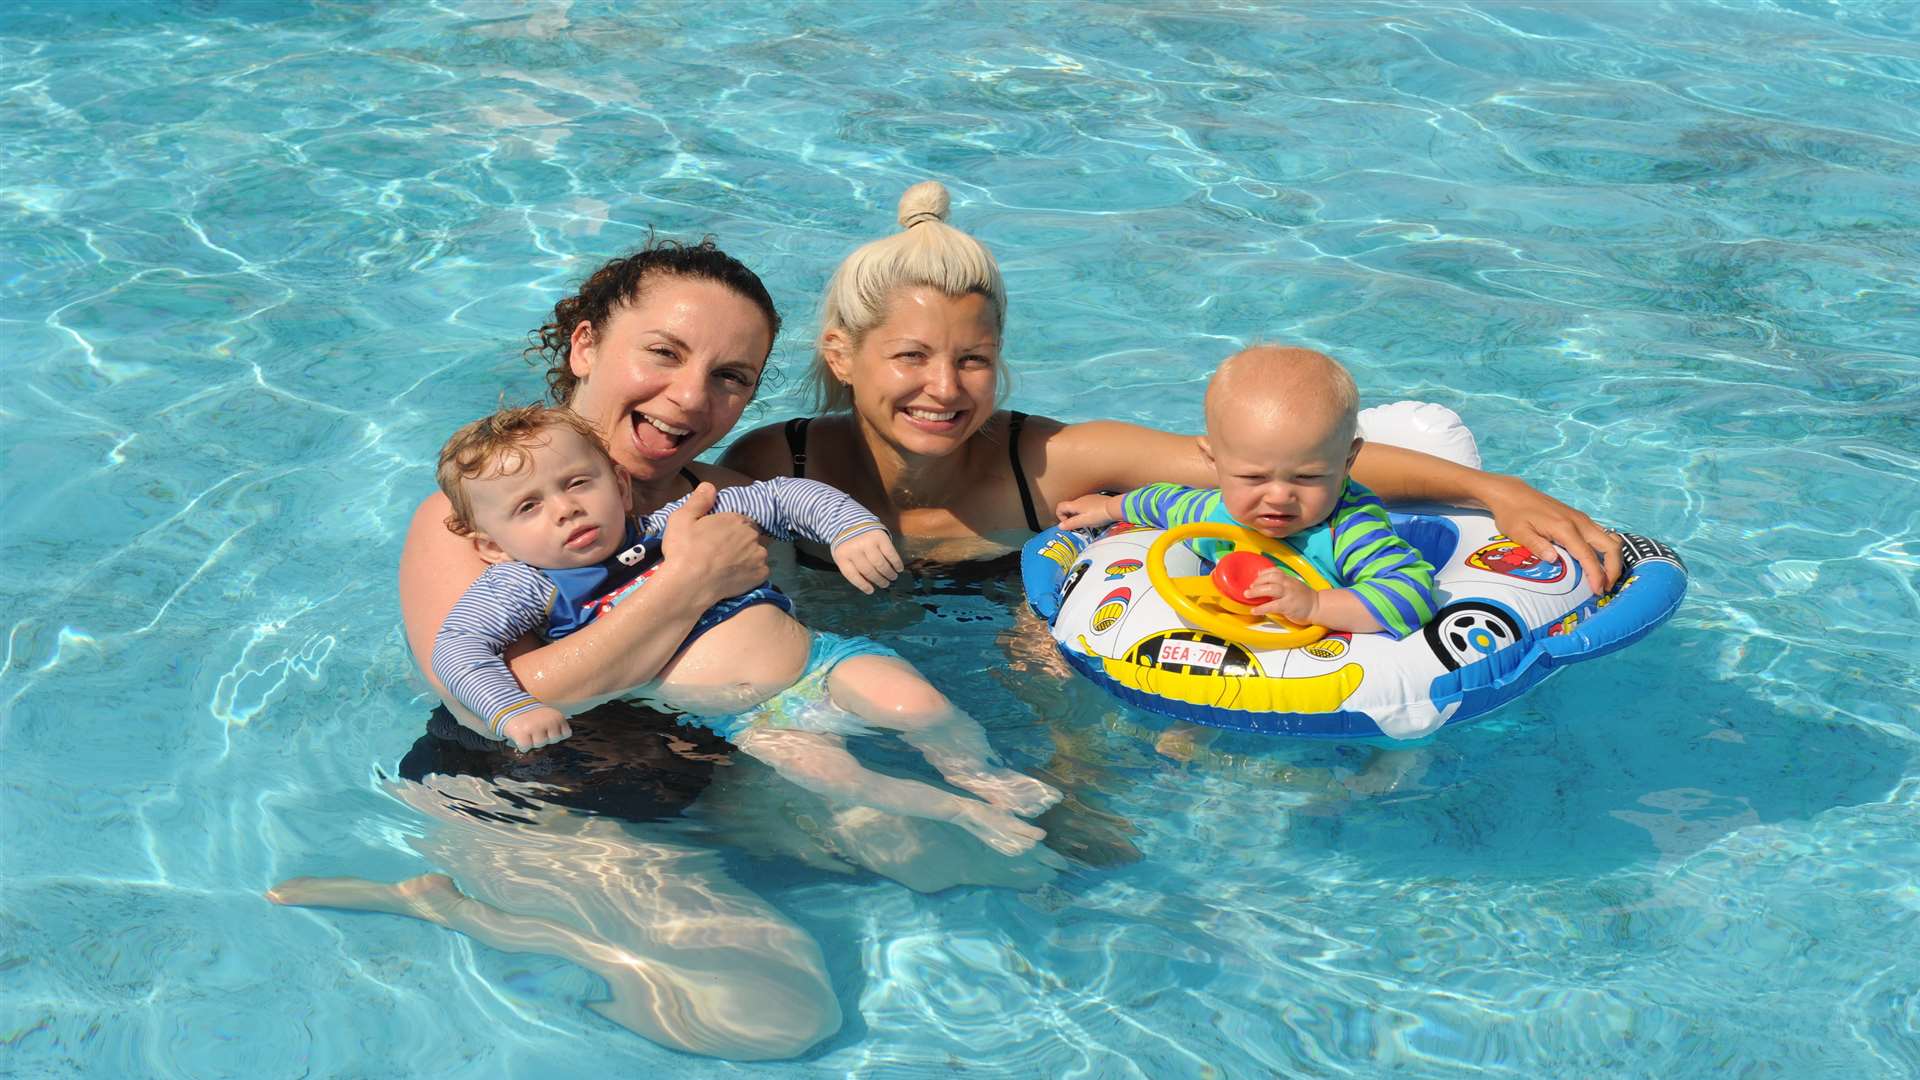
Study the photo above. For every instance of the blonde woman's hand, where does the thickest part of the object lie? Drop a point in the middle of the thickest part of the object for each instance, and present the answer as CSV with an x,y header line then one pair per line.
x,y
1537,521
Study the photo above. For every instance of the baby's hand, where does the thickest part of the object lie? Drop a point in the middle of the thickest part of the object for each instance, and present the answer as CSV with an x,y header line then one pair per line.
x,y
1293,599
536,728
1087,512
869,560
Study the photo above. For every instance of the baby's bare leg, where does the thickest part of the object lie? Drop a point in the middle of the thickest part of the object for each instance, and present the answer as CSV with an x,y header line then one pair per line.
x,y
822,765
887,692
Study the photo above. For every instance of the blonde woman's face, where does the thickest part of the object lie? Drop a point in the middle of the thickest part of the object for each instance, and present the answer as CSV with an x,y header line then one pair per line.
x,y
671,372
925,378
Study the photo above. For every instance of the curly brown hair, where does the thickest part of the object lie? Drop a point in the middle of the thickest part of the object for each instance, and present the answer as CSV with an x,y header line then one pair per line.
x,y
497,445
622,281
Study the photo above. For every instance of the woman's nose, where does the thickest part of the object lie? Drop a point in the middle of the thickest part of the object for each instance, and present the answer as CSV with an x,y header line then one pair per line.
x,y
943,378
689,388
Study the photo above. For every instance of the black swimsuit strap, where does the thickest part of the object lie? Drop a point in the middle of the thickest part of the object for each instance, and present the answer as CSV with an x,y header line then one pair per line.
x,y
797,443
687,475
796,430
1014,421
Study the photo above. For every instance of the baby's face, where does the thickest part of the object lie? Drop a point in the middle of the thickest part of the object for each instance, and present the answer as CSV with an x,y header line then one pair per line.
x,y
566,508
1280,479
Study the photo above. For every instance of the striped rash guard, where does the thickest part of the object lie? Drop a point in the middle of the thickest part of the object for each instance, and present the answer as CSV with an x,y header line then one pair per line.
x,y
513,599
1354,547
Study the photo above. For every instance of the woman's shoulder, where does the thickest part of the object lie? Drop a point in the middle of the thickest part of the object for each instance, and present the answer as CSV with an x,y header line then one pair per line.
x,y
720,475
760,453
429,521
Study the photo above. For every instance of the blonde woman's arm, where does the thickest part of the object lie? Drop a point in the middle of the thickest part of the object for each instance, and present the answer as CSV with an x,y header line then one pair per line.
x,y
1065,461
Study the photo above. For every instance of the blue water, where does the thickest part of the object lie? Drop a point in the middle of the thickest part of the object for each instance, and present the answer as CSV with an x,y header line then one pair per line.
x,y
257,260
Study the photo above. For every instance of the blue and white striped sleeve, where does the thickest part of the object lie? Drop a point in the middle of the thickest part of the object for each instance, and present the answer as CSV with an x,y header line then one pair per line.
x,y
786,507
509,600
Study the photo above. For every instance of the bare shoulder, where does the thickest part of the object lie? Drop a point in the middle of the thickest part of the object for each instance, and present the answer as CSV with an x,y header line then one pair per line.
x,y
720,476
759,454
427,533
435,568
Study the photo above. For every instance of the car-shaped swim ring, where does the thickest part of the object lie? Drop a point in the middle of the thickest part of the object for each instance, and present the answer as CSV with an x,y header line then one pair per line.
x,y
1140,613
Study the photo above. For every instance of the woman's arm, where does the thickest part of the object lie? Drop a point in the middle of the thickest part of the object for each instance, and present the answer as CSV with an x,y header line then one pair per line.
x,y
1070,460
1534,519
1066,461
707,559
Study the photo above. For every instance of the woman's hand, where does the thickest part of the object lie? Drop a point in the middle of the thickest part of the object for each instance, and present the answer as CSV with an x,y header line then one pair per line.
x,y
869,560
1537,521
723,552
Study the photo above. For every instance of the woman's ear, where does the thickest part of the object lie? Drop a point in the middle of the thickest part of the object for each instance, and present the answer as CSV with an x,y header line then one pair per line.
x,y
580,356
837,347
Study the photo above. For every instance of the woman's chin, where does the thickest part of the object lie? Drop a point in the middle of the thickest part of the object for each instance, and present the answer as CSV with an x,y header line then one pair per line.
x,y
647,471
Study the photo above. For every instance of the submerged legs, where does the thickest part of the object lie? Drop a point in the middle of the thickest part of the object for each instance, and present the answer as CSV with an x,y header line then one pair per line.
x,y
693,961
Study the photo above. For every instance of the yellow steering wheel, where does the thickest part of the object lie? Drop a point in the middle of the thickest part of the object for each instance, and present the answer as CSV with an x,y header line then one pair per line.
x,y
1198,600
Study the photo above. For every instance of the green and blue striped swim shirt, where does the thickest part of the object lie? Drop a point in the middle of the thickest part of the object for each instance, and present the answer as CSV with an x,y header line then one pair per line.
x,y
1355,548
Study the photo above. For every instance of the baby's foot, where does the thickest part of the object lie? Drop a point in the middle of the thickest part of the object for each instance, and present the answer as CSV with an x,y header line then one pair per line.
x,y
1016,793
996,828
1184,742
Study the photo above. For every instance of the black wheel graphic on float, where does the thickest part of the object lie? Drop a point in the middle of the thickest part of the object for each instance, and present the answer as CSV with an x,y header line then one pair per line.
x,y
1469,631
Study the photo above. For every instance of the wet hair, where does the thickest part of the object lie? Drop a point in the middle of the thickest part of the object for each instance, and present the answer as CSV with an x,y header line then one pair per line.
x,y
622,281
927,251
497,445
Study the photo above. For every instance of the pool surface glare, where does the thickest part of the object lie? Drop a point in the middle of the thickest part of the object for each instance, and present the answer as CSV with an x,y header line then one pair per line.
x,y
257,261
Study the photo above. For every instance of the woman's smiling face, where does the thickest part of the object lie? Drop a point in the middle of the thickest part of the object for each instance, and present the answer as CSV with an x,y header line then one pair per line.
x,y
670,372
925,377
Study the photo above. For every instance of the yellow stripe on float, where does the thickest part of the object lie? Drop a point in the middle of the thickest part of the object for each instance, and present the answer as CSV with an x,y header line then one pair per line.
x,y
1252,693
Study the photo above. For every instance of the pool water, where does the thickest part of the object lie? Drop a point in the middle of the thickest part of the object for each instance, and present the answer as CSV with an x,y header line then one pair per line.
x,y
256,261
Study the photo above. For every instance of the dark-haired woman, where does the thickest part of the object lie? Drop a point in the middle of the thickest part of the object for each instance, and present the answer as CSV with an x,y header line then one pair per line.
x,y
660,351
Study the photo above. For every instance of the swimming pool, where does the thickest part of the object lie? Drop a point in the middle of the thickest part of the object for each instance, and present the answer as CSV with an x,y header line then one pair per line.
x,y
259,260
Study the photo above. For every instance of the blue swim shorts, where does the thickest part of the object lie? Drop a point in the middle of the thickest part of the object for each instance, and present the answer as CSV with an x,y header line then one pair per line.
x,y
806,705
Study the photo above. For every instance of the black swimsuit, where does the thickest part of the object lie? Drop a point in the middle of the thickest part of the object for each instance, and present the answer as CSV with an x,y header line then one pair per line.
x,y
797,448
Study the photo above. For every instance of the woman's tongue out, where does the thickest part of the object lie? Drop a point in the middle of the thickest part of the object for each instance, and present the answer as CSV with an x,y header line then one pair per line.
x,y
656,439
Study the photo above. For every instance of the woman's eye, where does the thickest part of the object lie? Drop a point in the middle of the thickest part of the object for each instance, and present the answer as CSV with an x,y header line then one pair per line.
x,y
910,354
976,361
738,377
662,351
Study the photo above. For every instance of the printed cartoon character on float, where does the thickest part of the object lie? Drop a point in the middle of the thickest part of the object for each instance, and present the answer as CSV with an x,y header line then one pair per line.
x,y
1504,556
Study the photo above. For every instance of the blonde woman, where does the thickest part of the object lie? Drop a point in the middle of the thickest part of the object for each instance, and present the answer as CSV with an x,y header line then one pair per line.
x,y
908,375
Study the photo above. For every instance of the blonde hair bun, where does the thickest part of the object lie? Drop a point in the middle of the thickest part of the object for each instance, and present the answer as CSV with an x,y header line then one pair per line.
x,y
924,201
